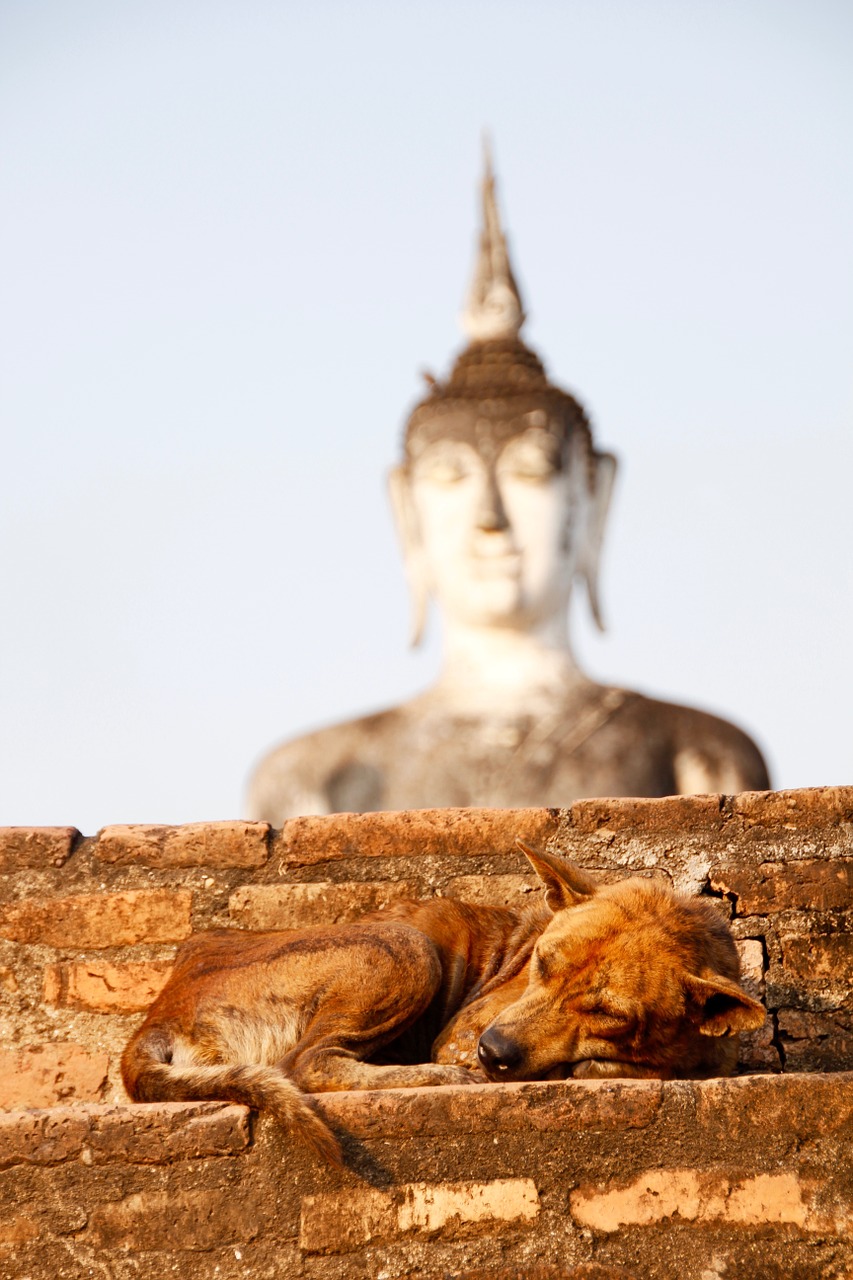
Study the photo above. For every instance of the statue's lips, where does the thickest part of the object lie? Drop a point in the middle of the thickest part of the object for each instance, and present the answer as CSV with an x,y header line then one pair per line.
x,y
496,566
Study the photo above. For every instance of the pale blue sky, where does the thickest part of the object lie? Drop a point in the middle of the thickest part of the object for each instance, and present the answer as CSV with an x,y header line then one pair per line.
x,y
230,237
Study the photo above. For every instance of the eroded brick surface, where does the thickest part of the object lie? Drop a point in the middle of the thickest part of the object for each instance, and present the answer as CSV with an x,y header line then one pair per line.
x,y
746,1177
493,891
816,1042
342,1221
551,1271
428,832
781,886
692,1195
671,815
104,987
18,1229
565,1106
24,848
814,971
810,809
98,920
45,1075
292,906
196,844
173,1221
155,1133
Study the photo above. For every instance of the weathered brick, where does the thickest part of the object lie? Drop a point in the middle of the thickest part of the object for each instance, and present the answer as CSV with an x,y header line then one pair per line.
x,y
781,886
540,1106
551,1271
158,1133
751,956
816,1042
197,844
810,809
154,1221
142,1133
339,1222
104,987
292,906
803,1107
758,1051
452,833
819,960
27,848
97,920
17,1229
493,891
672,816
47,1136
8,980
45,1075
801,1025
692,1195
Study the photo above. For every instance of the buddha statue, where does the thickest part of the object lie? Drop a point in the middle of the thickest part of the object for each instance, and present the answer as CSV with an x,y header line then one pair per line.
x,y
501,502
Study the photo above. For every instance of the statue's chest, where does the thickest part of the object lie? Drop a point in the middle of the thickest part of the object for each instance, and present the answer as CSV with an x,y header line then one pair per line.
x,y
525,761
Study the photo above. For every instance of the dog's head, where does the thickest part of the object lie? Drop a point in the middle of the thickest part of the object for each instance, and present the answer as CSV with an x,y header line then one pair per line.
x,y
629,975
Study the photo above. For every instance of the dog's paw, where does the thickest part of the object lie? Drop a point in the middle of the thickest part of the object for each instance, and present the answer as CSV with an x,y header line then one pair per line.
x,y
602,1069
599,1069
463,1075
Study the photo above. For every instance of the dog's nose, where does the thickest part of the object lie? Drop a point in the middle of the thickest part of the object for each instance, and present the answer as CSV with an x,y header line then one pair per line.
x,y
497,1053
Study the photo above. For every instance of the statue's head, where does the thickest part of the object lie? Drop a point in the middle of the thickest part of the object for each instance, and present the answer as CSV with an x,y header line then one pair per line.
x,y
501,498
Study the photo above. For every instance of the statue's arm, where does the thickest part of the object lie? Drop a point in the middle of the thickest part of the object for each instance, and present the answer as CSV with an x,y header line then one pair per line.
x,y
713,755
277,792
334,770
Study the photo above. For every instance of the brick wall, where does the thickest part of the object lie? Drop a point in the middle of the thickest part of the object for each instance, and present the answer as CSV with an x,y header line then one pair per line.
x,y
88,930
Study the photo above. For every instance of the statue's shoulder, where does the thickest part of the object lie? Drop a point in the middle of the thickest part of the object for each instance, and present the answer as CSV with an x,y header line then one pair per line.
x,y
330,770
708,752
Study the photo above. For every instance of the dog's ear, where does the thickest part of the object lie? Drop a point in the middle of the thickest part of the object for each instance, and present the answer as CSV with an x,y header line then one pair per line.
x,y
565,884
724,1008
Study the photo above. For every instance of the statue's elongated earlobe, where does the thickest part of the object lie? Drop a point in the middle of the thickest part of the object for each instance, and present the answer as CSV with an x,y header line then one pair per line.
x,y
604,465
406,524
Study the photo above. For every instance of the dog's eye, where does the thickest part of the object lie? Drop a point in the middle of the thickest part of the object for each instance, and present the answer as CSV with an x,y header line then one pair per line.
x,y
609,1021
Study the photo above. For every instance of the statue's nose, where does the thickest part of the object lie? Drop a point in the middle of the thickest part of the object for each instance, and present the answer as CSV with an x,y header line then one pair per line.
x,y
491,516
497,1053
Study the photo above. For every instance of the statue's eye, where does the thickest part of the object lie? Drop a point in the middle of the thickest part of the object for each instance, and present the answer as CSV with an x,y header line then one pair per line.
x,y
530,460
445,464
444,472
533,468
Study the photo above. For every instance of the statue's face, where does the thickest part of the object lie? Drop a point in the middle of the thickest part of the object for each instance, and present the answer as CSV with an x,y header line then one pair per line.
x,y
496,513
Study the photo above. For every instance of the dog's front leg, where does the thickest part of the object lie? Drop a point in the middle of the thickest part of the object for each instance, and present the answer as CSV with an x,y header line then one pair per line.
x,y
605,1069
331,1068
458,1042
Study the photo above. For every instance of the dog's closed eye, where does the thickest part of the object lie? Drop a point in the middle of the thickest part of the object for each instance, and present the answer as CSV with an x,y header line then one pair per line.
x,y
604,1021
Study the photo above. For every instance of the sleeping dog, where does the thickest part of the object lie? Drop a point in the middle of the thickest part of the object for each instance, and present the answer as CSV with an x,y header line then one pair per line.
x,y
628,979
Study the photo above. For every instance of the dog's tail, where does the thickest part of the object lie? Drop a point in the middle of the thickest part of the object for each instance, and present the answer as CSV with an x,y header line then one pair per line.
x,y
151,1074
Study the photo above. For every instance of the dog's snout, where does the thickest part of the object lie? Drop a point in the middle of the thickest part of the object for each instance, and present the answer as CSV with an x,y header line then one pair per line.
x,y
497,1053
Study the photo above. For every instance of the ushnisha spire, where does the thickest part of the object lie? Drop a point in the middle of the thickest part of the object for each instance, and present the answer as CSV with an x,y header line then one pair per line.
x,y
494,308
496,380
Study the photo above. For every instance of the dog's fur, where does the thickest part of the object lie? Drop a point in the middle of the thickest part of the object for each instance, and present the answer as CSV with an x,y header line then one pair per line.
x,y
619,980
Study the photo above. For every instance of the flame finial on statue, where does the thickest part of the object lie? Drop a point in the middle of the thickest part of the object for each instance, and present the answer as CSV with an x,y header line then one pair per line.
x,y
494,308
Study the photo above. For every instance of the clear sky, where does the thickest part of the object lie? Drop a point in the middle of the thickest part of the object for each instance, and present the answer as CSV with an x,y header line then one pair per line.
x,y
231,237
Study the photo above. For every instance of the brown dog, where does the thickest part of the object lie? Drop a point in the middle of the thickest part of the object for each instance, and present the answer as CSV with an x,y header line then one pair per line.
x,y
619,980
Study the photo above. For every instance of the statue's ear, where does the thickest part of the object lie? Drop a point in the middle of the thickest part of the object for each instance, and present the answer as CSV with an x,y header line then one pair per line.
x,y
722,1006
604,473
408,531
565,884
